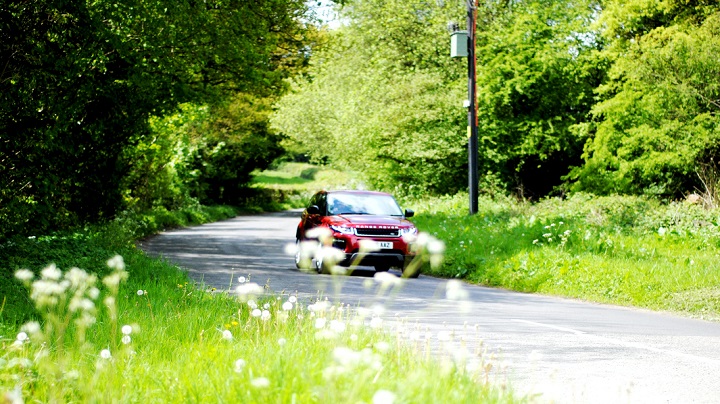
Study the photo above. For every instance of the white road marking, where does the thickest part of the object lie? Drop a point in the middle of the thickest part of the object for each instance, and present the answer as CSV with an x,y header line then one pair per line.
x,y
626,344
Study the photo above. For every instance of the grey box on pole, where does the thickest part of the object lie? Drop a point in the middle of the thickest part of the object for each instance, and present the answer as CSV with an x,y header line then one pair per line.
x,y
459,44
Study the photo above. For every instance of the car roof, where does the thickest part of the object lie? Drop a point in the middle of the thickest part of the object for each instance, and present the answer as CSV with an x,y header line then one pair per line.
x,y
355,191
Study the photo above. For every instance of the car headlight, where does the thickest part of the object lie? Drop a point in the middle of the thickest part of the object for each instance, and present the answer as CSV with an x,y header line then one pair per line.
x,y
343,229
411,231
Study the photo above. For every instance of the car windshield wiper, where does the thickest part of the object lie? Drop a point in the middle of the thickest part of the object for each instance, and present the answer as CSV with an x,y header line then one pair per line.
x,y
352,213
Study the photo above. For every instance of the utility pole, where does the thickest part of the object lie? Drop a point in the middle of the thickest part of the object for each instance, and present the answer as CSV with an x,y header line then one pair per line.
x,y
462,44
472,108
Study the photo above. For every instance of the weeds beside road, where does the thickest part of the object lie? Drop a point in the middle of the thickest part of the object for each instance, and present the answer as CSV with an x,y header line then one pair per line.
x,y
128,328
621,250
614,249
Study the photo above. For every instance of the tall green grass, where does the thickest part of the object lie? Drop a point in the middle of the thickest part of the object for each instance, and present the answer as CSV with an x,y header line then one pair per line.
x,y
136,329
162,341
623,250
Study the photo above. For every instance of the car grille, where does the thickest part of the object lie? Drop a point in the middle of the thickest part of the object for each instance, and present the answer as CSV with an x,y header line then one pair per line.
x,y
370,232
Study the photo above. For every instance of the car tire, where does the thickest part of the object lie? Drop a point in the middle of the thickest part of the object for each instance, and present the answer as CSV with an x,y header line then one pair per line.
x,y
319,263
382,268
297,253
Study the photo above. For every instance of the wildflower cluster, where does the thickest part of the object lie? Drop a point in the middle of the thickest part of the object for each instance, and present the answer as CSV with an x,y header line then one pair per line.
x,y
558,233
67,304
62,299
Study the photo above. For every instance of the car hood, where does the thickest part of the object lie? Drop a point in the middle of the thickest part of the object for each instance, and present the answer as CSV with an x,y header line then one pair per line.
x,y
369,220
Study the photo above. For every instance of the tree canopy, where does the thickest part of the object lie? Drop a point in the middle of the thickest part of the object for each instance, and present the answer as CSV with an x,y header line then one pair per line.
x,y
385,98
150,103
601,96
80,79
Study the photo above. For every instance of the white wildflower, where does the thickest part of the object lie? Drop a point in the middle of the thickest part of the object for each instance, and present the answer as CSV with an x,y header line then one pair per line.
x,y
387,279
382,346
105,354
320,233
337,326
24,275
291,249
435,246
227,335
239,365
319,306
249,289
77,277
454,290
51,272
113,280
126,329
31,327
117,263
383,397
287,306
15,396
260,382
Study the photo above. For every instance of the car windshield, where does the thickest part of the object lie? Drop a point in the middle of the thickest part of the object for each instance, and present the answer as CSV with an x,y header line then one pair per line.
x,y
363,204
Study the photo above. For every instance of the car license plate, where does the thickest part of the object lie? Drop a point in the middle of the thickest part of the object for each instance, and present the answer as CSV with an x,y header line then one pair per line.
x,y
386,244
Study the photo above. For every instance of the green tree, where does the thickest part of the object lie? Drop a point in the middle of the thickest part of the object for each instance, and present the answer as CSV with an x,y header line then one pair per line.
x,y
237,140
657,124
384,97
79,80
538,67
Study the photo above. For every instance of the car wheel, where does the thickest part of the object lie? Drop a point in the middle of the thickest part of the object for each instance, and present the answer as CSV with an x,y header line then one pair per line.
x,y
319,262
297,253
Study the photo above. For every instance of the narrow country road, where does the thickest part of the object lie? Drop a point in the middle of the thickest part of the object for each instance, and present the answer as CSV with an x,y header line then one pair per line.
x,y
560,350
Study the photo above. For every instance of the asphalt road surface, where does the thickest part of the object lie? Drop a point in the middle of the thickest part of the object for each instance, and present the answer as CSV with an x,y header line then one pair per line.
x,y
558,350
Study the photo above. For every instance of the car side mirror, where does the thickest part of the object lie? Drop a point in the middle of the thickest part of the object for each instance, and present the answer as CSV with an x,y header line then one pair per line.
x,y
409,213
313,210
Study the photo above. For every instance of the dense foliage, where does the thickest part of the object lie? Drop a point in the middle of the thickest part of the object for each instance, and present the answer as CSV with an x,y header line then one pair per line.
x,y
601,96
385,99
657,125
79,81
147,104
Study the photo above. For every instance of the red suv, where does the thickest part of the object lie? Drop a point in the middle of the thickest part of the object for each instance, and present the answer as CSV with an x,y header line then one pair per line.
x,y
355,219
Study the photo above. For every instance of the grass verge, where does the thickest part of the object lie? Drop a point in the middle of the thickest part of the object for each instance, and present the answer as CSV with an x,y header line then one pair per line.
x,y
135,329
621,250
